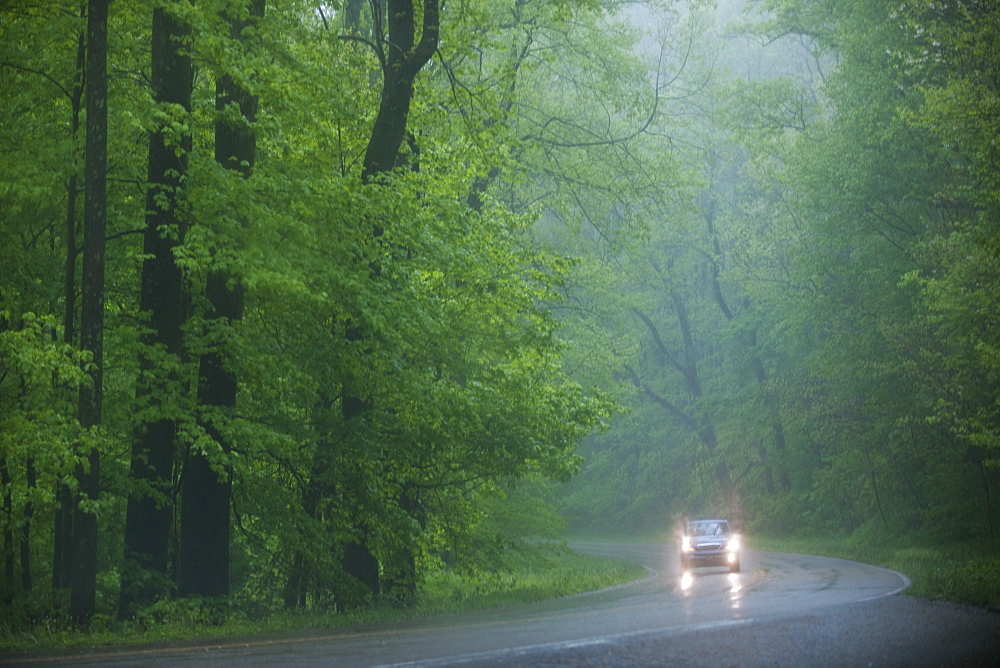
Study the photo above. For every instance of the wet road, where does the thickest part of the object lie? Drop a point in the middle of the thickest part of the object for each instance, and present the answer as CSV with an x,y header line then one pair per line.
x,y
786,608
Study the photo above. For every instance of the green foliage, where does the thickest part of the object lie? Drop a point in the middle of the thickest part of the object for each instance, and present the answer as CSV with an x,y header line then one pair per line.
x,y
459,363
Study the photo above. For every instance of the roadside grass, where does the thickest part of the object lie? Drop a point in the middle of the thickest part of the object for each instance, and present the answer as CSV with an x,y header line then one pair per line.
x,y
544,575
958,572
966,573
566,574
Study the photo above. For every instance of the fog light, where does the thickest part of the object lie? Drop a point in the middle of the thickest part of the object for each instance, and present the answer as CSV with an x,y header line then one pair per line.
x,y
732,557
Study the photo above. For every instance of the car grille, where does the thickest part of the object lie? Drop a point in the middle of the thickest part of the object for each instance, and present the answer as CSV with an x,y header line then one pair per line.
x,y
708,547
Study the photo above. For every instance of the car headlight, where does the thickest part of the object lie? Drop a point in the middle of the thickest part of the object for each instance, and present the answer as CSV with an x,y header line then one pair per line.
x,y
734,544
686,544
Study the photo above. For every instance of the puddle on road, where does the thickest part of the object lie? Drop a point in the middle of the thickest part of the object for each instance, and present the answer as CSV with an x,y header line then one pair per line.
x,y
735,591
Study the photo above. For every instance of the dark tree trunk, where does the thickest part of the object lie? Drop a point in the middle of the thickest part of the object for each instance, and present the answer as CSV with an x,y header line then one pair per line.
x,y
298,577
8,533
203,561
361,564
402,566
62,549
687,365
294,595
29,516
692,380
401,62
776,427
401,58
352,16
768,474
62,554
358,560
162,295
83,584
203,565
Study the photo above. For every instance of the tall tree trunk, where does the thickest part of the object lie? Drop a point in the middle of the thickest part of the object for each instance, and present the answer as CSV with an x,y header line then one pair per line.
x,y
402,58
358,561
203,565
83,583
28,514
352,16
162,295
294,595
203,559
62,548
62,554
8,533
315,489
401,62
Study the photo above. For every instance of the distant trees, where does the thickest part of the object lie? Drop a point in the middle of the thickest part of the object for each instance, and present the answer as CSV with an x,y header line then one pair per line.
x,y
877,189
837,290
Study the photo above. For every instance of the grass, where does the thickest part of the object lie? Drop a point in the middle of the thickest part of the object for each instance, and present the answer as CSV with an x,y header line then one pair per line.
x,y
966,573
568,573
957,572
547,575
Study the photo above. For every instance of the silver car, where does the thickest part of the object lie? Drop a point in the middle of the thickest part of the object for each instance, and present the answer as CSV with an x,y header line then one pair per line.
x,y
710,543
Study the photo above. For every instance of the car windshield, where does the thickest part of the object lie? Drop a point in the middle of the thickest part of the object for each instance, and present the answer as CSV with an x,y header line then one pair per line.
x,y
708,528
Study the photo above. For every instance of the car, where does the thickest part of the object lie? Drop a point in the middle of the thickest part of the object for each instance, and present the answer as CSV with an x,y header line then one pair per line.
x,y
710,543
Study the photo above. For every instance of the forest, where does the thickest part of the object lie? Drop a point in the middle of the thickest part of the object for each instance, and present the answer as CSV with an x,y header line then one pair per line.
x,y
302,300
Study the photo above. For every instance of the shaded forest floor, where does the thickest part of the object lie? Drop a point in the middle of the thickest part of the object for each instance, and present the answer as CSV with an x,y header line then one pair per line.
x,y
540,575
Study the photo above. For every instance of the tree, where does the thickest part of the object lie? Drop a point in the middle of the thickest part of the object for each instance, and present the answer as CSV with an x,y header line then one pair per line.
x,y
230,366
42,180
164,298
401,59
83,582
205,491
873,190
62,551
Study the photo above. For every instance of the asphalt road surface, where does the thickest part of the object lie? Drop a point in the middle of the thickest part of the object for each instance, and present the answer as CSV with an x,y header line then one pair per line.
x,y
782,610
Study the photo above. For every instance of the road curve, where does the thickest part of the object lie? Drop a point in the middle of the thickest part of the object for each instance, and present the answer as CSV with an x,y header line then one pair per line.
x,y
783,609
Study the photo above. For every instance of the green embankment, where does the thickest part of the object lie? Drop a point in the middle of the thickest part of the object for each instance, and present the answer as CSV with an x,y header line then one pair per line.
x,y
541,576
961,573
966,573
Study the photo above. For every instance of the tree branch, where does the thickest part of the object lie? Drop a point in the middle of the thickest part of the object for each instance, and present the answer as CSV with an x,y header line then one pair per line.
x,y
658,340
662,401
